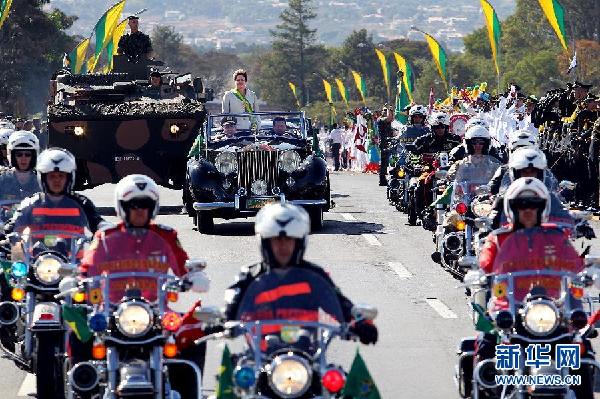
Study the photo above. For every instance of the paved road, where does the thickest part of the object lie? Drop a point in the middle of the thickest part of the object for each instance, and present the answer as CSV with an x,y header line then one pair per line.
x,y
375,258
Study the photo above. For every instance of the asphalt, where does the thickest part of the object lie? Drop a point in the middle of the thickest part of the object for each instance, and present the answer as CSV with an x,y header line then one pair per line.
x,y
374,257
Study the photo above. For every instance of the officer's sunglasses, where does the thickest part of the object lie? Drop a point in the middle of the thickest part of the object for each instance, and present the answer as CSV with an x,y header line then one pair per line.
x,y
142,203
478,142
21,154
528,203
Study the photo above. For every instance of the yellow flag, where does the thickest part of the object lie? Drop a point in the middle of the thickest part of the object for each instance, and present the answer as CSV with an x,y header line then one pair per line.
x,y
113,45
385,69
342,90
327,86
4,10
293,88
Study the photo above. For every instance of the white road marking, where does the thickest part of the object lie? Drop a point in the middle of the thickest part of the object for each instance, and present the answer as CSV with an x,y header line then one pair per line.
x,y
348,216
372,240
441,308
28,386
400,270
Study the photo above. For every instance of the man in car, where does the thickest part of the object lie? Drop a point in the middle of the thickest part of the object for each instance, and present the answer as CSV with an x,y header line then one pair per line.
x,y
229,125
279,126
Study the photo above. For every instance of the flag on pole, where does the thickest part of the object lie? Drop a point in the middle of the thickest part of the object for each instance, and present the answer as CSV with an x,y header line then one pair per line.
x,y
4,10
77,56
328,91
408,78
295,92
104,30
76,318
113,44
385,68
556,16
359,383
402,101
360,85
573,63
494,30
439,56
224,388
342,90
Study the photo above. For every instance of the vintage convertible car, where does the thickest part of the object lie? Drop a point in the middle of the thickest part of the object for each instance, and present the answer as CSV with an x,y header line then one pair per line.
x,y
249,160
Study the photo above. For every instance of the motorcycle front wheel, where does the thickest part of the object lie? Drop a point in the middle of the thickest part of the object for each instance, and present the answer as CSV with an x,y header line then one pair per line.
x,y
48,367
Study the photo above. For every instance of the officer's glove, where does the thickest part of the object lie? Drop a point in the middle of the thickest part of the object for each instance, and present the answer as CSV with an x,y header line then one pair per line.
x,y
366,331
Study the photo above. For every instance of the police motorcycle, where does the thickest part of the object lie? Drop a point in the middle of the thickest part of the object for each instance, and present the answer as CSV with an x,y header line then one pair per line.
x,y
456,238
528,316
287,339
134,328
433,216
36,334
407,166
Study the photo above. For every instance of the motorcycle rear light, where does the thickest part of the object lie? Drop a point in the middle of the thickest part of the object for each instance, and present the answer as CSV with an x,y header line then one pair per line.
x,y
461,208
46,316
244,377
17,294
578,319
333,380
171,321
172,296
99,350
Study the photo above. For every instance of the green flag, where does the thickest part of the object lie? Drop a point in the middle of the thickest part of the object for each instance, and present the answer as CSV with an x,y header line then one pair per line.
x,y
402,101
483,324
76,318
225,384
359,384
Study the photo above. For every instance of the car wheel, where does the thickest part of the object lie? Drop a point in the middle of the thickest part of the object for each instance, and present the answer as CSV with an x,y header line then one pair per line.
x,y
316,218
205,222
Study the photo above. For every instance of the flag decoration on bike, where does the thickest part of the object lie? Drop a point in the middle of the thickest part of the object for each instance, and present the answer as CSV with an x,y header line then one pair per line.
x,y
359,383
4,10
555,13
494,30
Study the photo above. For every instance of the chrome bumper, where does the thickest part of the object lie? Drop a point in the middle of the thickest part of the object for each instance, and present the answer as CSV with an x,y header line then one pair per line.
x,y
210,206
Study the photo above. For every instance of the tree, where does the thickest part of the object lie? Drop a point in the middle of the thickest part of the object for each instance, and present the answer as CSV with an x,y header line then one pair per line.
x,y
293,39
33,45
166,43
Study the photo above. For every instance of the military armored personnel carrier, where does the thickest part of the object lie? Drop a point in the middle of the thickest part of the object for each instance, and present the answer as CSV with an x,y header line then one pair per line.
x,y
119,123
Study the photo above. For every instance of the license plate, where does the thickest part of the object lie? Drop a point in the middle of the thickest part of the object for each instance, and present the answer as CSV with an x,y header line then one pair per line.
x,y
257,203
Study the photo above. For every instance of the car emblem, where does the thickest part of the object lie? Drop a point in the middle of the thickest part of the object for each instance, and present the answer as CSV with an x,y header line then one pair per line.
x,y
141,186
284,223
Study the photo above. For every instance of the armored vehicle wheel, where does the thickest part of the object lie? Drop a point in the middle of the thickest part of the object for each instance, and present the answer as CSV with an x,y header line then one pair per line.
x,y
205,222
316,218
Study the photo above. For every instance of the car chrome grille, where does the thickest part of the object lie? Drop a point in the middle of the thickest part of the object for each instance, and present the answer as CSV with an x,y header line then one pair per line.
x,y
254,165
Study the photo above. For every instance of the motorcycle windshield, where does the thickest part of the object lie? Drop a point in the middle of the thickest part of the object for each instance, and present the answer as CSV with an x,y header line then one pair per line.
x,y
57,241
64,215
541,257
296,294
127,251
465,190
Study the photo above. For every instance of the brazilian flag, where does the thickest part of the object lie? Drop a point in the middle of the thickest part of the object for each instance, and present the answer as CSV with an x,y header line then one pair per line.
x,y
225,378
76,318
359,384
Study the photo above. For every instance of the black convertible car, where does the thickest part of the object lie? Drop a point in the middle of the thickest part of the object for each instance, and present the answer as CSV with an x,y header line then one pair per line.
x,y
249,160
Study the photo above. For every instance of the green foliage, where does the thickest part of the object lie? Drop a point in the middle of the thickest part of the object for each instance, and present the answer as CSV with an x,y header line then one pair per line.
x,y
33,44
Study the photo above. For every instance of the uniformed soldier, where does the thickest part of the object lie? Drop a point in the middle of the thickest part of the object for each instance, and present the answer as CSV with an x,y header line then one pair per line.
x,y
135,45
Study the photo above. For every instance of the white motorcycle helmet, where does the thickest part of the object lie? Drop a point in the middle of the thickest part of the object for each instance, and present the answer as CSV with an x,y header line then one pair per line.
x,y
439,118
476,121
282,220
7,125
527,189
417,110
23,140
477,132
521,139
136,187
5,135
524,158
56,160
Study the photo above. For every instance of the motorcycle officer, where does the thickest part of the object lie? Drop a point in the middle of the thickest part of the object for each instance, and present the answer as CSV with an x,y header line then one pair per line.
x,y
60,206
283,232
20,181
527,206
137,203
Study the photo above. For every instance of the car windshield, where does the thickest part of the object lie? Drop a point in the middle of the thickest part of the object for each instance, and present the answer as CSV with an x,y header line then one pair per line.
x,y
283,125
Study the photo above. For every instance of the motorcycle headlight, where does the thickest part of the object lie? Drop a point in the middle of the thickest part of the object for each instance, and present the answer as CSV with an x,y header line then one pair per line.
x,y
226,163
289,376
289,161
481,209
134,319
47,269
540,318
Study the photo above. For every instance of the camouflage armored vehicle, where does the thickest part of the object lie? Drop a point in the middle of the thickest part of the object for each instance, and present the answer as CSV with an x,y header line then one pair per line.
x,y
118,124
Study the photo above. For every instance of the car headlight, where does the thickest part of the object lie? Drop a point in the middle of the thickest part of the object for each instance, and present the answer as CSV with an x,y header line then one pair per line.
x,y
226,163
47,269
289,161
289,376
134,319
540,318
481,209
